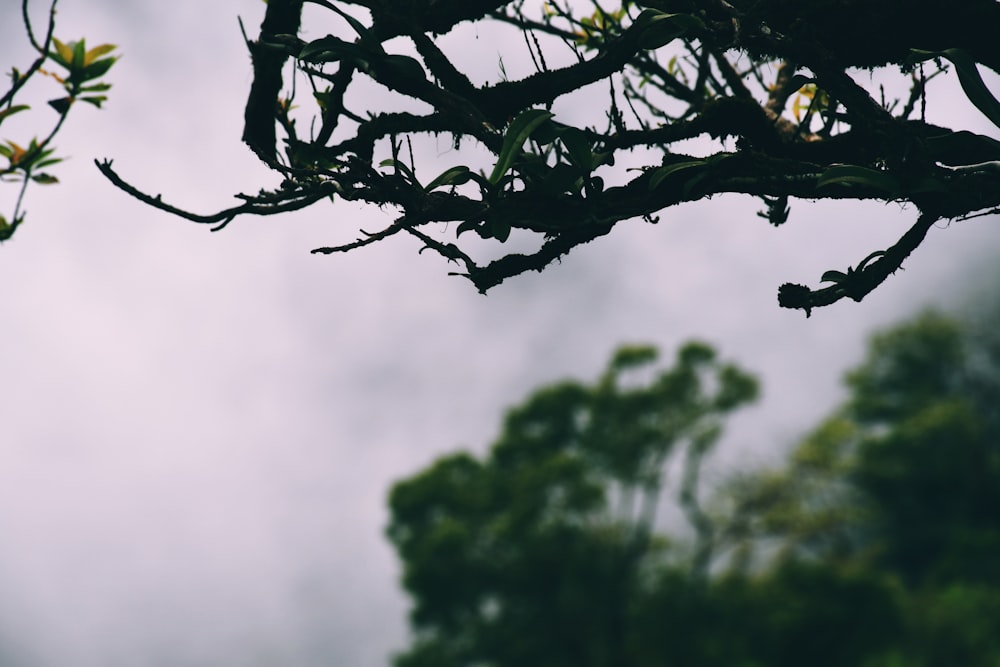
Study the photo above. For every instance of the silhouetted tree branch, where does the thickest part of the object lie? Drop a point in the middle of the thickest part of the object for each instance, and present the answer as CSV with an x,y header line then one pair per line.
x,y
674,70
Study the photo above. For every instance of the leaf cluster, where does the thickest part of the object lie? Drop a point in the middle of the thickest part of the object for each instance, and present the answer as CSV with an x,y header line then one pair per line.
x,y
80,82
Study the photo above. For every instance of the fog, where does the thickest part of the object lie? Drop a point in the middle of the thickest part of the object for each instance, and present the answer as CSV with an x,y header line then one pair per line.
x,y
199,430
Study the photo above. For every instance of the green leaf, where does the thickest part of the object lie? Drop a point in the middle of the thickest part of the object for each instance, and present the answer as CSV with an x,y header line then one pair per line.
x,y
7,229
968,77
562,178
403,67
97,100
467,226
663,172
548,132
12,110
400,167
329,49
854,175
96,88
578,146
96,70
500,229
833,277
61,104
44,179
454,176
658,28
79,55
41,164
63,53
517,133
93,54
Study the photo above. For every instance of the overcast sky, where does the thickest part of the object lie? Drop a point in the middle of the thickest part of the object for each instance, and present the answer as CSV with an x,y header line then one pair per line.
x,y
197,430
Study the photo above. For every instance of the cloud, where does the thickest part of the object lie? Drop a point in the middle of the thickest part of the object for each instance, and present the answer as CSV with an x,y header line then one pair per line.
x,y
199,429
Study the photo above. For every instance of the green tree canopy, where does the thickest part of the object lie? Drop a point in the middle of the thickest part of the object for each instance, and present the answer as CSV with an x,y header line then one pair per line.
x,y
903,480
874,545
777,92
534,554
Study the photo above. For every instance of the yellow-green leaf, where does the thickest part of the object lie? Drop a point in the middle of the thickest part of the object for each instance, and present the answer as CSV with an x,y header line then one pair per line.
x,y
96,52
63,53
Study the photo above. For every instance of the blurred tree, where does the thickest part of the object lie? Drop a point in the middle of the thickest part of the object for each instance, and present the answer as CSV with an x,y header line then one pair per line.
x,y
26,160
777,76
876,545
536,555
903,480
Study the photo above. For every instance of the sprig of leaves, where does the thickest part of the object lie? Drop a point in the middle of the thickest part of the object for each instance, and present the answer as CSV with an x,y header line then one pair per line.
x,y
84,67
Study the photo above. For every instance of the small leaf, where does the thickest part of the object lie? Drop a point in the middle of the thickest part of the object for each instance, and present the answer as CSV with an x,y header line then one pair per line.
x,y
466,226
61,104
690,184
517,133
500,229
96,52
7,229
579,148
403,67
663,172
855,175
96,70
12,110
96,88
798,81
401,168
833,277
329,49
79,54
548,132
325,49
41,164
96,100
63,53
13,152
562,178
659,28
44,179
454,176
869,258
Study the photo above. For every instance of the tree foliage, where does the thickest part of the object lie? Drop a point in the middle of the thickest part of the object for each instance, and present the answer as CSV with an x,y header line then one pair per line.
x,y
874,545
903,481
80,83
776,90
533,554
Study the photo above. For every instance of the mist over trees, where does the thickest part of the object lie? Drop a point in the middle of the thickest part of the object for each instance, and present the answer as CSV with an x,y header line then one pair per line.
x,y
874,544
781,96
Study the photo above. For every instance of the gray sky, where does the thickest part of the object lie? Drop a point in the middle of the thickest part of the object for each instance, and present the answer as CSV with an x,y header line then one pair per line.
x,y
198,430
